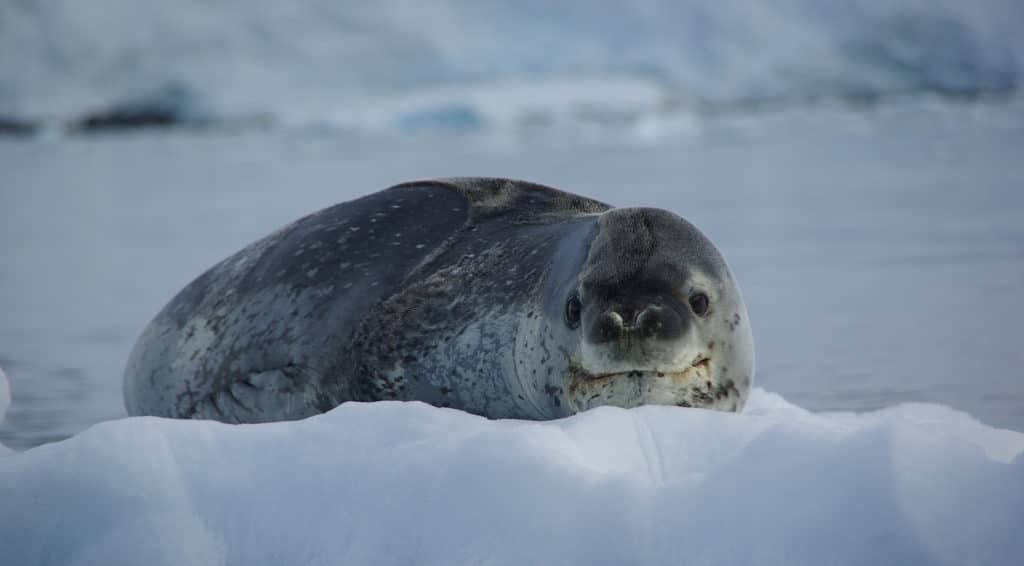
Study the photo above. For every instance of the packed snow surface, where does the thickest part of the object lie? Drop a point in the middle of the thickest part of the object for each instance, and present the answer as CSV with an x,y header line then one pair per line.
x,y
406,483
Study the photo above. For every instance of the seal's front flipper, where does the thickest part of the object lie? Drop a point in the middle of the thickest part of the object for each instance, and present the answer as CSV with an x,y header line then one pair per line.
x,y
285,393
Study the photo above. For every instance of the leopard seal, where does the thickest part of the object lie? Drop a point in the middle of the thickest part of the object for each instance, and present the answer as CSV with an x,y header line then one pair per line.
x,y
502,298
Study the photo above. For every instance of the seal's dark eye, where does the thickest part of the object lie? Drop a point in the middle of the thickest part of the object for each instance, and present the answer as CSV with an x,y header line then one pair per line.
x,y
699,303
573,307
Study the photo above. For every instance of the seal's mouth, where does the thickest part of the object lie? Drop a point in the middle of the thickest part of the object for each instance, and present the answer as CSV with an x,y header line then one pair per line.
x,y
700,367
694,386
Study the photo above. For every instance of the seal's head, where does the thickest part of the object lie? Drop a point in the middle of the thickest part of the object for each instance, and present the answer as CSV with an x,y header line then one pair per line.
x,y
659,318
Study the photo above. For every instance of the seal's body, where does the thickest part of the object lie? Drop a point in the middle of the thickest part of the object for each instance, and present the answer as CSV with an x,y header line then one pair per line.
x,y
502,298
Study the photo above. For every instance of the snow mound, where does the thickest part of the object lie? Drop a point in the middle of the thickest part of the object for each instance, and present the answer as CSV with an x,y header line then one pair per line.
x,y
401,483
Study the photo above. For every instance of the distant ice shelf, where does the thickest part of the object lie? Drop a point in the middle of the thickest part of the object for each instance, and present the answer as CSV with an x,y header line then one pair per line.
x,y
453,66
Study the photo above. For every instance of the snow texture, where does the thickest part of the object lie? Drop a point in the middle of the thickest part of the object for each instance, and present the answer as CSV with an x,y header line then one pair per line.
x,y
406,483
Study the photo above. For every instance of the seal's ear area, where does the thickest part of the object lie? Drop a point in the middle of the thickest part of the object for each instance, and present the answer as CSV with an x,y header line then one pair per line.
x,y
634,242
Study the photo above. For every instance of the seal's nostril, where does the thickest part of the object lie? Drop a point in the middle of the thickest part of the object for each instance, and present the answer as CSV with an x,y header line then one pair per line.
x,y
610,325
651,321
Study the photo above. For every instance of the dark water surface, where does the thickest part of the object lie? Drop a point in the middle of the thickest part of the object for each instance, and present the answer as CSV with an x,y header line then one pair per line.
x,y
881,253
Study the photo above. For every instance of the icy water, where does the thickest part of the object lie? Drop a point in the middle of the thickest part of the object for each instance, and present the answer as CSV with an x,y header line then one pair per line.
x,y
881,251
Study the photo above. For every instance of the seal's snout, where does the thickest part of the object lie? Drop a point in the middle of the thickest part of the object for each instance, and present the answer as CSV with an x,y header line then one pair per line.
x,y
650,322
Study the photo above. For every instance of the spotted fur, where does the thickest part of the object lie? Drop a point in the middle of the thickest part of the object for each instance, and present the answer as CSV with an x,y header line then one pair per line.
x,y
450,292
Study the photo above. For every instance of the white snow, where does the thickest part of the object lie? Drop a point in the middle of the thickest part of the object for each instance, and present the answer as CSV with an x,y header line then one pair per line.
x,y
405,483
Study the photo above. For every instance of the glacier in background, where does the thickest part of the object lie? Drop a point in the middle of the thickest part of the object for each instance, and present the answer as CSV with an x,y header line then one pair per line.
x,y
461,66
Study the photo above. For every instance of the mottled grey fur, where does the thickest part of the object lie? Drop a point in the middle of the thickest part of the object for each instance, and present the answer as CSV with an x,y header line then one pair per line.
x,y
450,292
